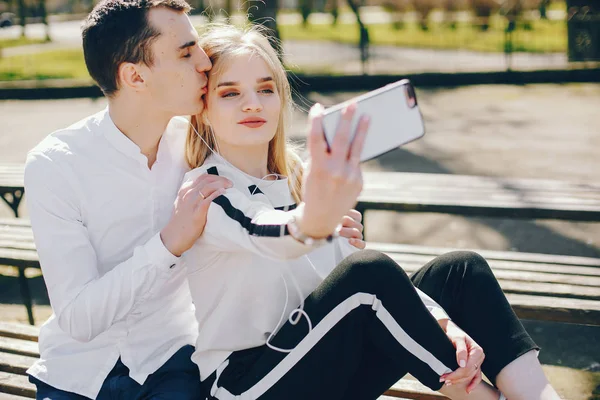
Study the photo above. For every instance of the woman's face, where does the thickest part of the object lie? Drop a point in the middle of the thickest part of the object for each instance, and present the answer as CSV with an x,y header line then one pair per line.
x,y
243,104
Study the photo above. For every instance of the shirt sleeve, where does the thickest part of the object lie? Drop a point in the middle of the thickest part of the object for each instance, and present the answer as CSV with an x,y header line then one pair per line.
x,y
236,223
85,302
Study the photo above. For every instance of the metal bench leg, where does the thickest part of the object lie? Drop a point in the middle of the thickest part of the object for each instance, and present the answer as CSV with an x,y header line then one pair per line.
x,y
14,201
26,294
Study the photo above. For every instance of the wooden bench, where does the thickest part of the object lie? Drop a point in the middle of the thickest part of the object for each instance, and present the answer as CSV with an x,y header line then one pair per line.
x,y
11,185
480,196
17,249
539,286
19,350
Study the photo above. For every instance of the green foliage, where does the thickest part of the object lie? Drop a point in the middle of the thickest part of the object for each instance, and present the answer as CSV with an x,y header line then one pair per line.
x,y
546,36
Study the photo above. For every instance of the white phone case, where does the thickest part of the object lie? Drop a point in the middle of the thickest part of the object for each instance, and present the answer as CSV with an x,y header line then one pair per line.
x,y
393,121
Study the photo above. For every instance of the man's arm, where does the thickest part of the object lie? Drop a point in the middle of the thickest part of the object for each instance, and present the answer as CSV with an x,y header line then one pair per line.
x,y
84,302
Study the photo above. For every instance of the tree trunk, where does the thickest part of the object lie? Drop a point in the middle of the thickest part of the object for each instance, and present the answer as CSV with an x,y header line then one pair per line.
x,y
44,15
264,12
228,10
305,8
364,34
335,11
22,16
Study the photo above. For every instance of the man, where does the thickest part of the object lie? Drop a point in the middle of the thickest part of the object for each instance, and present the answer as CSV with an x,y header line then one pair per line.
x,y
100,194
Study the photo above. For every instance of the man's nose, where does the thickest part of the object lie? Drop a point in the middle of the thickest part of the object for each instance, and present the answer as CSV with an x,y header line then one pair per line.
x,y
203,64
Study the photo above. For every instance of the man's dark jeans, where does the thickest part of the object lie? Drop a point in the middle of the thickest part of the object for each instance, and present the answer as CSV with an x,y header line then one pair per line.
x,y
177,379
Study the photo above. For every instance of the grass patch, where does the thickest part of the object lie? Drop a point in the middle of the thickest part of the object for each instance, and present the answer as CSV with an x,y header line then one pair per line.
x,y
56,64
20,41
544,37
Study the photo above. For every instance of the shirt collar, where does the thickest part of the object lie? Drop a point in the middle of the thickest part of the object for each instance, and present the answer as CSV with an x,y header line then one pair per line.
x,y
117,138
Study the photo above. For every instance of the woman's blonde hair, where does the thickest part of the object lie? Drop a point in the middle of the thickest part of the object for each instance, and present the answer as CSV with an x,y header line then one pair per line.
x,y
221,43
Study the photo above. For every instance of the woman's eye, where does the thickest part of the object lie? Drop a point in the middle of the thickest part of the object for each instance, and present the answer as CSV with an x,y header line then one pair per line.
x,y
230,94
267,91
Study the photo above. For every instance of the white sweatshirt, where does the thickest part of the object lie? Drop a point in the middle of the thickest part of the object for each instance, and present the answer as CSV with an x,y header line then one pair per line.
x,y
236,270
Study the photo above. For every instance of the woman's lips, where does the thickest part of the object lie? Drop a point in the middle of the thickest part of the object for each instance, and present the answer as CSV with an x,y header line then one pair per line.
x,y
253,122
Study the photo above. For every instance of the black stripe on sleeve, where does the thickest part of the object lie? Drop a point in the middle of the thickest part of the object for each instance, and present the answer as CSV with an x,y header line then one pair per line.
x,y
255,189
287,208
212,171
246,222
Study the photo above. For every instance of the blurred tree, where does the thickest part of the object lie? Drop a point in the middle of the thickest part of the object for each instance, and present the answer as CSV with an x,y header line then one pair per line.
x,y
305,8
228,10
334,7
363,42
264,12
22,16
44,15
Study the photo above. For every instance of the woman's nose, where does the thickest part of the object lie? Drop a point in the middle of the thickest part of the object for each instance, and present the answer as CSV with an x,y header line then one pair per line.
x,y
253,104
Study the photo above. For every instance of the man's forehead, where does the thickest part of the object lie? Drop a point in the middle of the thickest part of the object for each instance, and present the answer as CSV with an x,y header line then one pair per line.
x,y
172,25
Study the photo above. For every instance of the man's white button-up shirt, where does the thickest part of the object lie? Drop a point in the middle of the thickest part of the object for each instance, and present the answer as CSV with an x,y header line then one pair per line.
x,y
116,291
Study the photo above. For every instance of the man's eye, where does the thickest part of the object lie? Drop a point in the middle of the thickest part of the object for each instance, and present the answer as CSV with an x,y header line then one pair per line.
x,y
188,55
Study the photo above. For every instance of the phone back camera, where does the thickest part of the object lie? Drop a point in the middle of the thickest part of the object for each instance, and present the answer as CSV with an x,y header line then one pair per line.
x,y
411,97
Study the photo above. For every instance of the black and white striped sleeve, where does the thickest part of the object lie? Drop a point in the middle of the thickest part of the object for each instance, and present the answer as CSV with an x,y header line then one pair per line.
x,y
236,223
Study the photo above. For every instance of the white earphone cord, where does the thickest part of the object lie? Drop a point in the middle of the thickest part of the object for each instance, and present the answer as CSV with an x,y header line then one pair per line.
x,y
298,312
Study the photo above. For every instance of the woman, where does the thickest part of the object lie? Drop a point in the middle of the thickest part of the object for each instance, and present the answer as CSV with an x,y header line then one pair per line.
x,y
356,322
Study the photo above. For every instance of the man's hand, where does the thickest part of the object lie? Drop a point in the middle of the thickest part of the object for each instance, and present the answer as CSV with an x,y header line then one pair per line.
x,y
352,228
469,356
333,179
190,210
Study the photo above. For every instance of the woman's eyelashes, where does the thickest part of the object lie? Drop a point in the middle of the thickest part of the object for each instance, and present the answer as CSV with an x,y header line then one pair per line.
x,y
227,94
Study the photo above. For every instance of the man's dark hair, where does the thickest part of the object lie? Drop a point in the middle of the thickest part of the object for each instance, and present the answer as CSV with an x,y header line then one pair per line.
x,y
118,31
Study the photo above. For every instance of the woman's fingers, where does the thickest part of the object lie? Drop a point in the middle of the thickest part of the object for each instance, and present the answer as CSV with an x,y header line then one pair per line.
x,y
358,141
316,139
358,243
351,233
355,215
349,222
475,381
461,351
342,138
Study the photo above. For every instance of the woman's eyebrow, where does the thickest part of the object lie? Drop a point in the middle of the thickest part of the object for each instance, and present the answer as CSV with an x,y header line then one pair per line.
x,y
232,83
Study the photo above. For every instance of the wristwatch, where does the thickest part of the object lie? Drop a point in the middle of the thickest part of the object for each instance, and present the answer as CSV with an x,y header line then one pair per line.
x,y
303,238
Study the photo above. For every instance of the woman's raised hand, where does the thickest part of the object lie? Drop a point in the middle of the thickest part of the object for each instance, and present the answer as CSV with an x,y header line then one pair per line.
x,y
333,179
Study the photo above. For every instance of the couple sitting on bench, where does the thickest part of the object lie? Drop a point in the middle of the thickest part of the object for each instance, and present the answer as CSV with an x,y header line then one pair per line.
x,y
286,303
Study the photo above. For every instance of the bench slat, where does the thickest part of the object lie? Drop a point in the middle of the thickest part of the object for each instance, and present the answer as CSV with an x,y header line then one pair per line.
x,y
16,244
16,384
503,265
488,254
15,222
6,396
19,347
19,331
435,181
15,364
413,390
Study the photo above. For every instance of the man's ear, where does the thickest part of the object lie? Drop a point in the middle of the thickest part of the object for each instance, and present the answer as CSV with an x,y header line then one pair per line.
x,y
131,75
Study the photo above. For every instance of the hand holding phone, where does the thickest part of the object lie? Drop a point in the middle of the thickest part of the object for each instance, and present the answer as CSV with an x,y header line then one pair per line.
x,y
395,118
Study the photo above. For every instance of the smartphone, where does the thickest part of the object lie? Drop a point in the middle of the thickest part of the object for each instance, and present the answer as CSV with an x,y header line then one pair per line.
x,y
395,118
